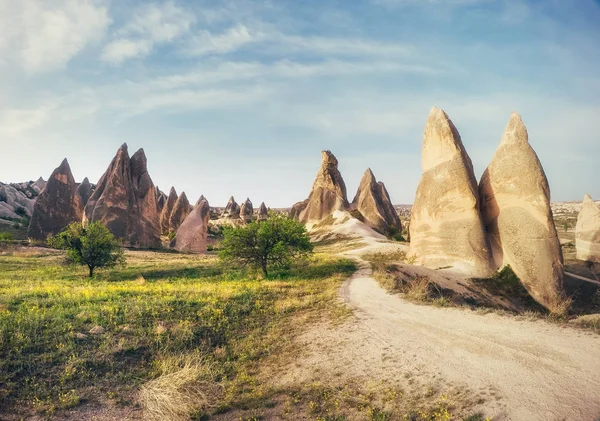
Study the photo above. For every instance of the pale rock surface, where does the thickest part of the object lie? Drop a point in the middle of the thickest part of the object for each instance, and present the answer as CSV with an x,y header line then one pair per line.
x,y
192,235
263,212
373,202
297,209
515,206
14,196
445,226
232,209
587,231
247,210
167,210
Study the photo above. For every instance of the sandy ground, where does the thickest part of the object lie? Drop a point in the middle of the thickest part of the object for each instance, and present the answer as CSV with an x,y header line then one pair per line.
x,y
524,370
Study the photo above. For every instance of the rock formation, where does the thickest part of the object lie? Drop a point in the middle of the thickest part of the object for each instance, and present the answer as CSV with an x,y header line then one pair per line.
x,y
161,200
328,192
125,201
17,199
297,209
166,211
373,202
192,235
587,231
181,210
84,191
247,210
515,206
445,226
232,209
57,205
263,212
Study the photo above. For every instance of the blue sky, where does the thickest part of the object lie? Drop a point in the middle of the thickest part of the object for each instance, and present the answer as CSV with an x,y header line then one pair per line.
x,y
238,97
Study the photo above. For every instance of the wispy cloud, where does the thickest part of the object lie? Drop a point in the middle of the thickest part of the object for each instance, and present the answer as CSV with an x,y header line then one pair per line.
x,y
231,40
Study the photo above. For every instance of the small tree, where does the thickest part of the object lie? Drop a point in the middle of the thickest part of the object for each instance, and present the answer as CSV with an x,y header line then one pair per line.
x,y
276,241
93,246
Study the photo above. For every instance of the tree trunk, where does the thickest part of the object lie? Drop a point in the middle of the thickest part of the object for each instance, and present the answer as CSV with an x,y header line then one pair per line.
x,y
91,271
263,266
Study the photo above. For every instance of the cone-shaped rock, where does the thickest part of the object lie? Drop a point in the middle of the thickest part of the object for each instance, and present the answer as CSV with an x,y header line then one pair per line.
x,y
232,209
56,206
297,209
328,192
263,212
587,231
446,227
373,202
247,210
161,200
125,201
167,210
192,235
39,185
181,210
515,206
83,194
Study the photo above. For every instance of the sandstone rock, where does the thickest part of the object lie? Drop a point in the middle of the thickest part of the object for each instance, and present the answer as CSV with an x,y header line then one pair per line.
x,y
82,195
587,231
39,185
297,209
328,192
515,206
161,200
192,235
181,210
125,201
232,209
263,212
373,202
167,210
17,199
247,210
56,206
446,227
97,330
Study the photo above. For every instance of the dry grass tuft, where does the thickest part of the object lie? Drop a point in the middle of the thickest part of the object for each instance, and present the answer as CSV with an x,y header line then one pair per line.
x,y
559,306
418,289
185,385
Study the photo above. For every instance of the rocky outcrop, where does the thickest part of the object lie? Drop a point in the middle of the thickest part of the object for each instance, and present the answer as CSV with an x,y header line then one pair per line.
x,y
232,209
515,206
328,192
445,226
192,235
247,210
125,201
263,212
373,202
181,210
167,210
84,191
57,205
161,200
587,231
297,209
17,199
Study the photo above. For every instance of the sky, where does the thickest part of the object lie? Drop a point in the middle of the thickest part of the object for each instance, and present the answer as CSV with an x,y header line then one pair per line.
x,y
239,97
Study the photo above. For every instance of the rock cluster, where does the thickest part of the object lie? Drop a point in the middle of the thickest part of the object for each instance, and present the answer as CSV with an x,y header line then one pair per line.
x,y
17,199
373,202
125,201
181,209
446,228
167,210
247,211
192,235
587,231
232,209
515,206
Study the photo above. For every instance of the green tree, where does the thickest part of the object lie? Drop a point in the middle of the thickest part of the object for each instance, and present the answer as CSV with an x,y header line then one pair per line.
x,y
93,246
274,242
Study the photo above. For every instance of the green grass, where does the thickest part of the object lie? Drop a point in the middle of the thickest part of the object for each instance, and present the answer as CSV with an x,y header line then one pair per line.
x,y
161,305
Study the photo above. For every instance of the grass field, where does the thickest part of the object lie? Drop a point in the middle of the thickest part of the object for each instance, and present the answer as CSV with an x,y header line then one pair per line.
x,y
178,325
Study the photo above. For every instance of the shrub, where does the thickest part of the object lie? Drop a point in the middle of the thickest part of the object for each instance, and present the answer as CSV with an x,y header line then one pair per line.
x,y
21,211
93,246
5,237
275,241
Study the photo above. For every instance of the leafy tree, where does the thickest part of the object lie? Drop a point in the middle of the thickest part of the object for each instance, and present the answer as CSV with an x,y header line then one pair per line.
x,y
276,241
93,246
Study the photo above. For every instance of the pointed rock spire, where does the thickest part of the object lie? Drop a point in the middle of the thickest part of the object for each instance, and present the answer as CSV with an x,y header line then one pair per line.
x,y
247,210
373,202
587,231
328,193
515,206
232,209
83,194
56,205
263,212
167,210
181,210
192,235
446,227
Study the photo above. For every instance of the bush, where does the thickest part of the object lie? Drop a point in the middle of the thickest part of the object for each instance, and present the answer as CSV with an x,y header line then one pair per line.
x,y
5,237
275,241
21,211
93,246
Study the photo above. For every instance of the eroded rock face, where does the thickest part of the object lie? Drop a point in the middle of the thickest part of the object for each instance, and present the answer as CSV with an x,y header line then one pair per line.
x,y
247,210
167,210
515,206
161,200
192,235
181,210
373,202
587,231
82,195
297,209
263,212
125,201
446,227
232,209
328,192
17,199
56,206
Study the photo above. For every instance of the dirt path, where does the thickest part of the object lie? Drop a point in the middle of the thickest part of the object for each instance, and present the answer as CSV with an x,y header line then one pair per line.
x,y
525,370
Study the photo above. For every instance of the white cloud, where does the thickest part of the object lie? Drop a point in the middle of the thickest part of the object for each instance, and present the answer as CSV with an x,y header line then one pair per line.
x,y
40,36
153,23
231,40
